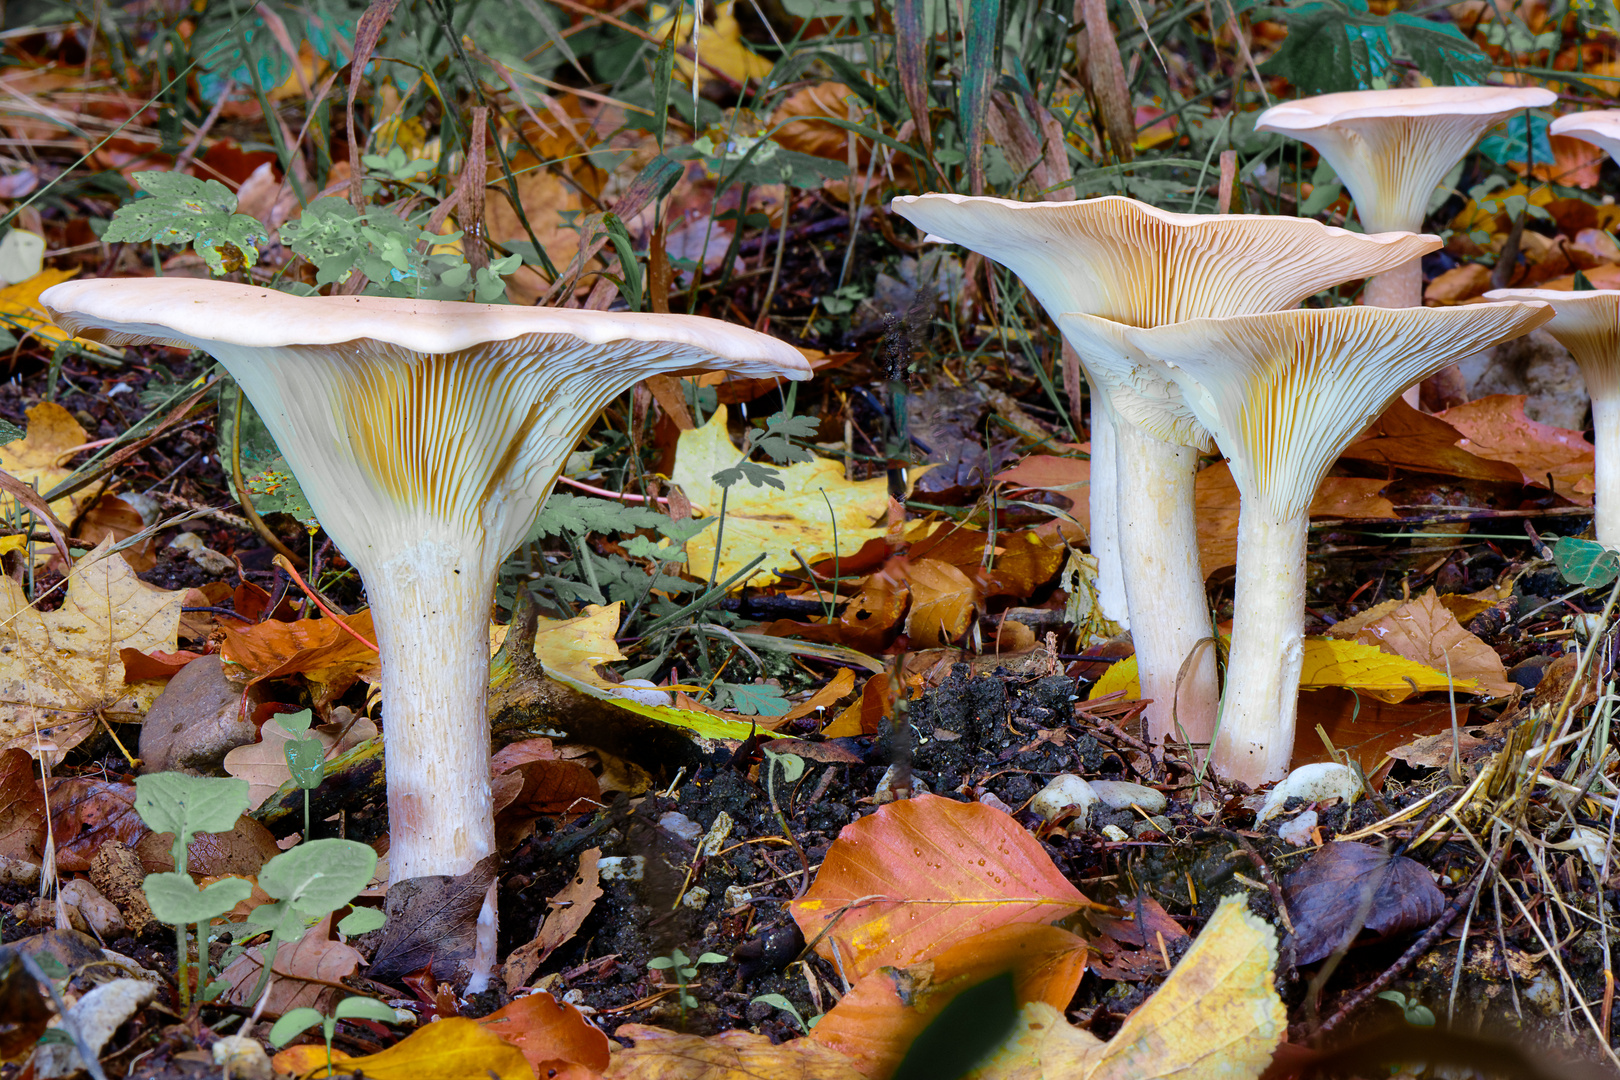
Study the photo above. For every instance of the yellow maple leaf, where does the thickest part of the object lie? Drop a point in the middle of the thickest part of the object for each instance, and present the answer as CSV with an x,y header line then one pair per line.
x,y
36,460
1217,1017
819,512
60,670
719,42
574,646
1328,663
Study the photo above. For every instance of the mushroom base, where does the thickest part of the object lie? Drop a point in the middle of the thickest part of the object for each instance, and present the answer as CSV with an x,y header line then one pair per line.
x,y
1158,535
432,624
1256,736
1104,512
1606,469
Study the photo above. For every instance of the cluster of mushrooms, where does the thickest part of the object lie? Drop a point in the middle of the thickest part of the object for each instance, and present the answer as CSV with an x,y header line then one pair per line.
x,y
427,434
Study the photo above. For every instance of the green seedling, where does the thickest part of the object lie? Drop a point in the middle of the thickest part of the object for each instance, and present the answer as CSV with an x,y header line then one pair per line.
x,y
185,806
777,1001
685,970
1416,1015
306,756
297,1021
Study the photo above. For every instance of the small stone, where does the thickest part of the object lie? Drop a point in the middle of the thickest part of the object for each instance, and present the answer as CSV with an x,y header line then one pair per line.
x,y
1122,795
1535,365
678,824
200,553
643,691
1298,831
18,871
696,898
102,914
196,721
1064,791
242,1058
1315,782
622,867
737,896
1115,833
887,792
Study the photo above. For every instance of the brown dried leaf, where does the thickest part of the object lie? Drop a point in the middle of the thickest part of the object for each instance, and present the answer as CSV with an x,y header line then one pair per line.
x,y
301,973
942,603
1496,427
22,808
1424,630
657,1054
568,911
86,812
264,764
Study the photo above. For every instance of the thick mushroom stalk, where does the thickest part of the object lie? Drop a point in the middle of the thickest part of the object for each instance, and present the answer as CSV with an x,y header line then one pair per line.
x,y
426,435
1136,265
1588,325
1392,148
1283,395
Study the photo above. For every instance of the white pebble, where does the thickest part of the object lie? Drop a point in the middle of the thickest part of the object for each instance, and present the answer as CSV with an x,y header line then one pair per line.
x,y
1298,831
1314,783
1064,791
1122,795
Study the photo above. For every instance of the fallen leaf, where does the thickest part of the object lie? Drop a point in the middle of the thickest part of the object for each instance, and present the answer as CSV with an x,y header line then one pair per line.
x,y
876,702
840,685
1364,727
1216,1017
817,502
432,922
113,517
300,974
875,1022
20,308
1128,949
943,601
1424,630
305,1059
22,808
38,460
547,1031
1403,438
1462,282
318,649
1435,751
1347,887
156,664
1215,495
720,44
657,1054
923,874
868,621
264,764
60,670
1496,427
451,1049
800,123
1065,475
237,853
86,812
577,646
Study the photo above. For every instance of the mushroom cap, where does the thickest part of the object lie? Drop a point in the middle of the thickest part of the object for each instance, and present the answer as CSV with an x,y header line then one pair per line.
x,y
1284,393
409,420
1600,127
1587,323
1391,148
190,312
1132,263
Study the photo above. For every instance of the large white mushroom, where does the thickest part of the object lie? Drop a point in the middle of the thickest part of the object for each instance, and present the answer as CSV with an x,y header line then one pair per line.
x,y
1136,265
426,434
1588,325
1284,393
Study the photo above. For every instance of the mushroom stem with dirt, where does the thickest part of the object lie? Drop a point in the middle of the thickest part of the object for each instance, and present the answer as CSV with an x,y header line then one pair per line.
x,y
1283,394
1587,323
1391,149
1136,265
425,435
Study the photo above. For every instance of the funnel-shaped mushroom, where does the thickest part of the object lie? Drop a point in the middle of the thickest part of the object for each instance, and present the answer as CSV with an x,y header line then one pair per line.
x,y
1600,127
426,435
1136,265
1283,394
1588,325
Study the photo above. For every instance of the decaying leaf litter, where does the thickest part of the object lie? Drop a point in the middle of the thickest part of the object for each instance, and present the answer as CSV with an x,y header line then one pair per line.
x,y
788,742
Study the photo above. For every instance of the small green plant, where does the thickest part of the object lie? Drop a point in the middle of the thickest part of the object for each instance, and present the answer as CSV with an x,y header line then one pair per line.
x,y
306,756
777,1001
1416,1015
185,806
297,1021
685,971
181,209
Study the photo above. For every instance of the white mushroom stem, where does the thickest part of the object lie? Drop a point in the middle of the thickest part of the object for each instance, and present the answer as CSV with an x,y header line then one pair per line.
x,y
1256,735
1164,584
1397,288
1606,466
1112,597
440,809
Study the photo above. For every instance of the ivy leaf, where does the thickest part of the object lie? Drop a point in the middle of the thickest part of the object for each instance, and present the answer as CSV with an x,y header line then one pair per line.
x,y
181,209
752,699
1524,135
1334,46
1585,562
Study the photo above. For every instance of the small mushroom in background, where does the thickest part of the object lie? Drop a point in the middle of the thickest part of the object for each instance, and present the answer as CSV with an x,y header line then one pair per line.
x,y
1132,264
1391,149
425,434
1588,325
1284,393
1600,127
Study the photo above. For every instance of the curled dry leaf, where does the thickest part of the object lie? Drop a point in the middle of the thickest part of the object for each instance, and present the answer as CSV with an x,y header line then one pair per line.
x,y
943,601
1496,427
302,971
1425,630
923,874
242,851
568,911
1347,887
549,1032
318,649
22,808
875,1023
1217,1017
60,670
657,1054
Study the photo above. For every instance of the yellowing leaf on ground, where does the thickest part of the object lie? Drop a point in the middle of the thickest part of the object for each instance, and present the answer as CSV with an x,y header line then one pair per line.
x,y
1216,1017
1426,631
60,669
710,725
579,645
21,312
36,460
943,600
923,874
719,43
732,1055
1364,668
814,504
449,1049
875,1023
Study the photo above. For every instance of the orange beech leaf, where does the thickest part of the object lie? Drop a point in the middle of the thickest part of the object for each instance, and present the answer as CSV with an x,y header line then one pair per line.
x,y
923,874
862,718
155,664
316,648
840,685
1496,427
732,1055
943,600
549,1032
873,1025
